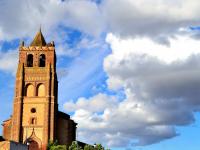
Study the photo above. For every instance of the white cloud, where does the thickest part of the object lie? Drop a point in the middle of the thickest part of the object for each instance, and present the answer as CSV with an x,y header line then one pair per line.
x,y
132,53
180,48
8,61
64,50
79,14
85,43
98,103
84,15
157,19
161,92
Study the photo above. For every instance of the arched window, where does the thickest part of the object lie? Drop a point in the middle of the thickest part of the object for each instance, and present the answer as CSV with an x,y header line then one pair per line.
x,y
29,90
41,90
42,60
30,60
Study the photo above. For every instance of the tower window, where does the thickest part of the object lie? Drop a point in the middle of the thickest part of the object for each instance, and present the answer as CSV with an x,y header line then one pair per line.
x,y
42,60
33,121
30,60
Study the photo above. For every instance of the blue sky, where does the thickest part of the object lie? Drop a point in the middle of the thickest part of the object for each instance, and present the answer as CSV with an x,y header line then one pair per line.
x,y
128,71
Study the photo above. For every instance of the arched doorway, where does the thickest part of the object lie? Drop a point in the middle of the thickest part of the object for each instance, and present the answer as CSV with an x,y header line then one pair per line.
x,y
33,142
33,145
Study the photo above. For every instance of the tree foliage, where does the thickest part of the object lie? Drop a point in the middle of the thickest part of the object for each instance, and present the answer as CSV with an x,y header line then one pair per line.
x,y
98,147
54,146
74,146
88,147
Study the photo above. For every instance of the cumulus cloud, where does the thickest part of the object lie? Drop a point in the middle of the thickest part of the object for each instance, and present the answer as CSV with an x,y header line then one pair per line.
x,y
98,103
160,87
77,14
56,18
21,19
158,19
8,61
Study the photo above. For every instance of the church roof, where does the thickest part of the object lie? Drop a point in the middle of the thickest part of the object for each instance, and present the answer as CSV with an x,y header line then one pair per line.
x,y
39,40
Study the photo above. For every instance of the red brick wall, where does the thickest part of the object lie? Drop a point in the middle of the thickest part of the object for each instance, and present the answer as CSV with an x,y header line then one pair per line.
x,y
7,129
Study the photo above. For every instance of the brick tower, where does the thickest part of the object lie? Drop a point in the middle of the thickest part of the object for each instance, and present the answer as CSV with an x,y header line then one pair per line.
x,y
36,119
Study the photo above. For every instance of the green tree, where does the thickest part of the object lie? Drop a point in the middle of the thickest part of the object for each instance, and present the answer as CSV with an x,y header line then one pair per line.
x,y
98,147
51,143
88,147
59,147
75,146
54,146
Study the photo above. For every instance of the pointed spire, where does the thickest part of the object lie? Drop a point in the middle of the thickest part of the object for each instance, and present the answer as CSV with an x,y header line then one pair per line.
x,y
39,39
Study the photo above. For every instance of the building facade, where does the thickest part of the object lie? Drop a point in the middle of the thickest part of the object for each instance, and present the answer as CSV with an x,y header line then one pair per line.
x,y
36,119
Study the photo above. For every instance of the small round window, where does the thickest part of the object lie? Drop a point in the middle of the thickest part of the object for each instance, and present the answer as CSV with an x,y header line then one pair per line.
x,y
33,110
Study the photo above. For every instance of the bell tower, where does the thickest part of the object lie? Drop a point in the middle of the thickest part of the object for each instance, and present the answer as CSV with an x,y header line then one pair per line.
x,y
36,119
35,103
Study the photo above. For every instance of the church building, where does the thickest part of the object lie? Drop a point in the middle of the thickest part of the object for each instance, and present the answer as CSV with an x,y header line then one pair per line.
x,y
36,119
